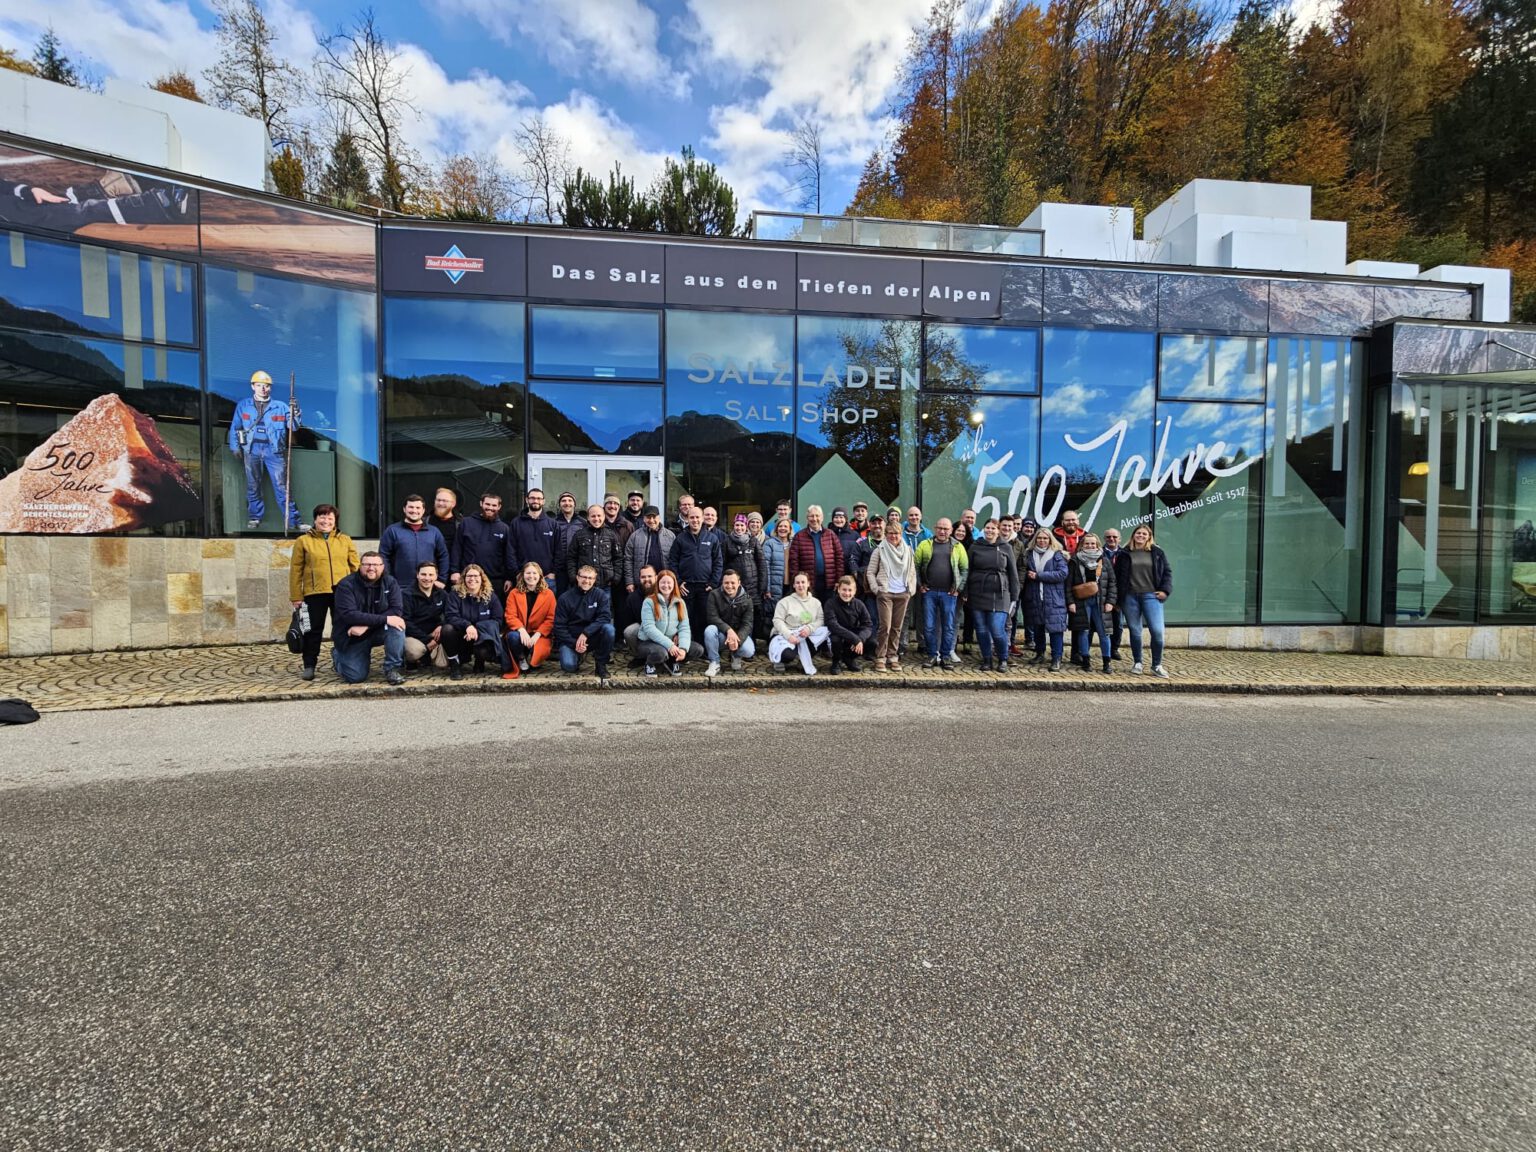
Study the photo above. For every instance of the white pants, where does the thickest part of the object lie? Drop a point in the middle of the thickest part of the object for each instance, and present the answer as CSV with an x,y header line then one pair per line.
x,y
778,646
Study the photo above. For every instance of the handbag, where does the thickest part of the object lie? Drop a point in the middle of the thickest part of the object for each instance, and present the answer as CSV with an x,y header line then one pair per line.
x,y
1087,589
297,628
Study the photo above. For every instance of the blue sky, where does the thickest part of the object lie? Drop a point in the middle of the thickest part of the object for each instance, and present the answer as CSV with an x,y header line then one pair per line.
x,y
626,80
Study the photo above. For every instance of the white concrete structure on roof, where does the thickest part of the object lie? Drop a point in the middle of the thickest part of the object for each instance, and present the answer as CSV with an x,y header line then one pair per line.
x,y
138,126
1087,231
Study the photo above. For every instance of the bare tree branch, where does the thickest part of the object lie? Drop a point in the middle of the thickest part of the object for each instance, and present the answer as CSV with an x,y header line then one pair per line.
x,y
546,160
806,158
362,75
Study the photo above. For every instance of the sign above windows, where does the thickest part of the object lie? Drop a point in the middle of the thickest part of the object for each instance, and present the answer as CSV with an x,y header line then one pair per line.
x,y
458,263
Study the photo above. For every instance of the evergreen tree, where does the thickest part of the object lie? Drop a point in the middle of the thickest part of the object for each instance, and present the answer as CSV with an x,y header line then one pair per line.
x,y
588,203
346,182
52,64
692,200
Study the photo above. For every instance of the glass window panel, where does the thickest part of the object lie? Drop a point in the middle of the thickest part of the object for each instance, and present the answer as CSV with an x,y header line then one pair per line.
x,y
453,384
1436,576
322,338
48,380
1098,389
55,286
1212,368
856,411
731,407
971,358
594,418
978,452
596,343
1508,526
1206,508
1313,490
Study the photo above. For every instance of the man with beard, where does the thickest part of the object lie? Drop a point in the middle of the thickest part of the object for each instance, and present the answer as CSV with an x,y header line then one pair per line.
x,y
533,536
408,545
486,541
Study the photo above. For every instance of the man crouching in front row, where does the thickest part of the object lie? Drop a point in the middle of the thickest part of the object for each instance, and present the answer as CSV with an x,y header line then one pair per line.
x,y
584,624
367,613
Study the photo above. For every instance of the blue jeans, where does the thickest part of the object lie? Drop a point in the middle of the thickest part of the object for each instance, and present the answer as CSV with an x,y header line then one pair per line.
x,y
1144,606
350,654
1090,612
991,634
714,640
941,631
600,644
261,457
1057,643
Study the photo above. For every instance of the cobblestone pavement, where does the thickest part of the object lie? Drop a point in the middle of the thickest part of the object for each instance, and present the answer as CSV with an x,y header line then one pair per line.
x,y
144,679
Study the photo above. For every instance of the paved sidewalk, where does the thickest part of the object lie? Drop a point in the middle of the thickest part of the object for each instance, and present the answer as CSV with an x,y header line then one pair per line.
x,y
250,672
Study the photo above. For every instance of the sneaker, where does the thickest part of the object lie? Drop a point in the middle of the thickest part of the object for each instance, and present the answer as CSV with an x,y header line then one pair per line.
x,y
985,666
1015,650
1136,668
650,670
895,665
933,662
1055,665
811,671
1037,658
775,666
737,664
522,665
1159,671
1106,669
393,678
307,674
252,525
510,675
455,671
604,682
951,664
1002,665
675,669
713,670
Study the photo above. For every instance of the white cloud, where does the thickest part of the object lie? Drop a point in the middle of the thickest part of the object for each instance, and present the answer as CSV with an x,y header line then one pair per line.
x,y
140,43
621,37
836,64
598,137
1069,400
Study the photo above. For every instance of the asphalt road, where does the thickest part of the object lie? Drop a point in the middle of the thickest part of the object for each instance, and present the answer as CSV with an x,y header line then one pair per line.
x,y
847,921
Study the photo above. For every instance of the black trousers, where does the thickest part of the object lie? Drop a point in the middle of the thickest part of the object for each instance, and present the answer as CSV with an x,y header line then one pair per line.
x,y
319,608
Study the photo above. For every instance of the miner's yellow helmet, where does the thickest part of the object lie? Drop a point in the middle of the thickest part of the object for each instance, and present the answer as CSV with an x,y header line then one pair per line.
x,y
260,377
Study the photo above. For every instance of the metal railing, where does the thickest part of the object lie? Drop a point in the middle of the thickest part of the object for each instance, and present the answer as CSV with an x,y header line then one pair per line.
x,y
872,232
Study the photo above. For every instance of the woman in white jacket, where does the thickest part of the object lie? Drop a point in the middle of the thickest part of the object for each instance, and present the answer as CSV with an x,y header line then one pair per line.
x,y
799,624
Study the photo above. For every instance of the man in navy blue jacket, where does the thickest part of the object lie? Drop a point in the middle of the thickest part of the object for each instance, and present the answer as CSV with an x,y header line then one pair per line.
x,y
486,540
697,562
533,537
584,623
367,612
408,545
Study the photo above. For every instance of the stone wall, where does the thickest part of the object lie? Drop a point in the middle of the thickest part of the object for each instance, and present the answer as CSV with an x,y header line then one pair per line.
x,y
68,594
71,594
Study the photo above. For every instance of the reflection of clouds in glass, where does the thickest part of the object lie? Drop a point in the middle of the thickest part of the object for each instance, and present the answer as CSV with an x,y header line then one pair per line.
x,y
1070,400
1139,407
449,332
761,340
1187,367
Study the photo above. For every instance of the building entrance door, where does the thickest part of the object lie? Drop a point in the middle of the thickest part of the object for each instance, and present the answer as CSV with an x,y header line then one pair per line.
x,y
589,478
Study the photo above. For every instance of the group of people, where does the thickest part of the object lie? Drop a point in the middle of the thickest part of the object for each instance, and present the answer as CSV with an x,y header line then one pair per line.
x,y
488,594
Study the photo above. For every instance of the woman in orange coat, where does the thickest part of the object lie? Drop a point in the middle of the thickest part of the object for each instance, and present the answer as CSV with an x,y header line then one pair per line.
x,y
530,620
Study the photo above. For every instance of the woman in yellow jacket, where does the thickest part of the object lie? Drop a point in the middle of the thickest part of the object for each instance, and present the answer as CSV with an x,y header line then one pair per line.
x,y
321,558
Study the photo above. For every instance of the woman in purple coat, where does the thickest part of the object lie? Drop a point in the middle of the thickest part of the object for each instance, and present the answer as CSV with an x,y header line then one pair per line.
x,y
1044,583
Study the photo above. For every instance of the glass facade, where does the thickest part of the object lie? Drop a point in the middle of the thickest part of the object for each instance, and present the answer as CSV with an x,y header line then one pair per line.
x,y
1282,488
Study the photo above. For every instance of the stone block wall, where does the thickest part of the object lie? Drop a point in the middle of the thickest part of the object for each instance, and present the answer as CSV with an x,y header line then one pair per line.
x,y
97,594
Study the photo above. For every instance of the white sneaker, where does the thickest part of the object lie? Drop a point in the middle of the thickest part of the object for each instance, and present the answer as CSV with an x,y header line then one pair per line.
x,y
1159,670
1136,669
713,670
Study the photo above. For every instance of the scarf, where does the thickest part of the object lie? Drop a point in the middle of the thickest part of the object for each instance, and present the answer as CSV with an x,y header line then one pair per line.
x,y
1039,558
1089,558
894,555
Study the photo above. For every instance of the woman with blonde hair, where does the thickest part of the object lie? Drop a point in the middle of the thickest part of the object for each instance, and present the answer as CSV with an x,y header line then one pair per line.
x,y
322,557
472,627
1143,581
665,634
892,577
530,618
1090,600
1044,584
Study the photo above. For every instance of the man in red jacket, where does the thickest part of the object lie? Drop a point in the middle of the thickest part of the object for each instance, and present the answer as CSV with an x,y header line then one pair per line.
x,y
1069,533
816,551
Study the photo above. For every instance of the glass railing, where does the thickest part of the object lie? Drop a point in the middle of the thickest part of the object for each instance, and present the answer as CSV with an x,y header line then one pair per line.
x,y
922,235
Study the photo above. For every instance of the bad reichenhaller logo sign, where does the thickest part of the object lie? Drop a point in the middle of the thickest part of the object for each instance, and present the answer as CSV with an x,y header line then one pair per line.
x,y
453,264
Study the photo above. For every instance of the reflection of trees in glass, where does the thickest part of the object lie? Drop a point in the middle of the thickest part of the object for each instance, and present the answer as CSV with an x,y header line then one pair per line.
x,y
884,460
948,415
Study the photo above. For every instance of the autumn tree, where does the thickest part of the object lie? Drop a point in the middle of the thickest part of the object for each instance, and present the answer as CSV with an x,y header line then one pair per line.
x,y
10,61
473,188
250,76
178,83
363,75
288,175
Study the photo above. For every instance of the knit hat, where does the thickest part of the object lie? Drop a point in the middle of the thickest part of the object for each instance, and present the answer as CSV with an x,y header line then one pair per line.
x,y
741,518
838,510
